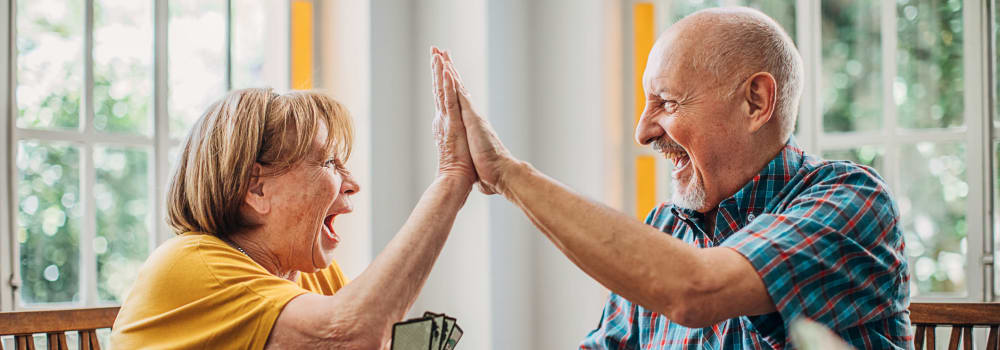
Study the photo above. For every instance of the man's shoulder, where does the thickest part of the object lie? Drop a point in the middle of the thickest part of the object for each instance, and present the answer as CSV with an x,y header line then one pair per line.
x,y
816,170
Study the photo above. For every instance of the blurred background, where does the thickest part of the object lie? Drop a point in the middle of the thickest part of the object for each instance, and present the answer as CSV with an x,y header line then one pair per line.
x,y
102,92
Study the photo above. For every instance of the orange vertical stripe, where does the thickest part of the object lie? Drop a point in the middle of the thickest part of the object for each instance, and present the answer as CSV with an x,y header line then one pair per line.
x,y
644,34
645,185
302,44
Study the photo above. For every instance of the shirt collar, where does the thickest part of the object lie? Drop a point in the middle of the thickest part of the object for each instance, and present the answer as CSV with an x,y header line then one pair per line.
x,y
751,200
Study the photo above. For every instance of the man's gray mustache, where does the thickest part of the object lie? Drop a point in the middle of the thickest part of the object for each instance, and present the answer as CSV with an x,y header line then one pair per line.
x,y
662,145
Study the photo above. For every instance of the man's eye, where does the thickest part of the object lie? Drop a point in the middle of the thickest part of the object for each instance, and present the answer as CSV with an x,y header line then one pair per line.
x,y
670,106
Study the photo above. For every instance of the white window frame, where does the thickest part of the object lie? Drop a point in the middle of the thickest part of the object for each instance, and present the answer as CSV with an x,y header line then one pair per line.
x,y
85,139
977,133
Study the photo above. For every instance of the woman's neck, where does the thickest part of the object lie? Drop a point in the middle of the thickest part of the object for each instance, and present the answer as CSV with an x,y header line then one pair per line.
x,y
259,253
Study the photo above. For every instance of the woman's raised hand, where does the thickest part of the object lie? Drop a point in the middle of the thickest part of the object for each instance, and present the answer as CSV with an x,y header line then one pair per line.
x,y
454,159
490,157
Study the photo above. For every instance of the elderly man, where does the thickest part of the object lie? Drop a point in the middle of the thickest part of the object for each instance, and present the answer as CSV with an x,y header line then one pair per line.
x,y
758,233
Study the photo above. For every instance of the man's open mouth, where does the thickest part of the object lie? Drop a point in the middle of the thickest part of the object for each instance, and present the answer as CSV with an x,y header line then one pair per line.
x,y
678,157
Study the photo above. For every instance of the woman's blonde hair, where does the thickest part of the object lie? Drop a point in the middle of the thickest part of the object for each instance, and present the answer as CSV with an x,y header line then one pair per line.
x,y
243,128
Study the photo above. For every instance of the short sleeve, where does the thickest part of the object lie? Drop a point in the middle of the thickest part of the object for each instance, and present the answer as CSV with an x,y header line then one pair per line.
x,y
195,291
833,253
618,328
250,298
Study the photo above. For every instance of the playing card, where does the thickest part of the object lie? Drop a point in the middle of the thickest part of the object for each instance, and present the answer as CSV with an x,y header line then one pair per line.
x,y
440,331
453,337
415,334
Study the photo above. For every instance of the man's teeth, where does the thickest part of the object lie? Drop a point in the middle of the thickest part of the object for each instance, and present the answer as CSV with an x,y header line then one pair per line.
x,y
675,155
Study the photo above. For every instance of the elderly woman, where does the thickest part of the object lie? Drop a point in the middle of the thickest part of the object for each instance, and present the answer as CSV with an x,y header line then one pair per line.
x,y
258,187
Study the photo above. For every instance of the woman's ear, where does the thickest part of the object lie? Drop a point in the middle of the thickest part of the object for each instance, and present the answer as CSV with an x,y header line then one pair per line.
x,y
255,199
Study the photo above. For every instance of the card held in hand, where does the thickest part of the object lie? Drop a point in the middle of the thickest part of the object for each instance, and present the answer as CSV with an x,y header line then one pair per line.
x,y
415,334
453,338
430,332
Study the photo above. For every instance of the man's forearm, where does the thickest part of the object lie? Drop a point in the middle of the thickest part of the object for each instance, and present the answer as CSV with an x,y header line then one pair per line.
x,y
625,255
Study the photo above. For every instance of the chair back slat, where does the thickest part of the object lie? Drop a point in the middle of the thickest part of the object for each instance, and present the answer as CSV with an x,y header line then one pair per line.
x,y
91,343
956,337
961,317
991,339
24,341
931,337
918,339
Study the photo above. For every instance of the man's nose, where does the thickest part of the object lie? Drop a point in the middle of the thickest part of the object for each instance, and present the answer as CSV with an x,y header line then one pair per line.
x,y
647,129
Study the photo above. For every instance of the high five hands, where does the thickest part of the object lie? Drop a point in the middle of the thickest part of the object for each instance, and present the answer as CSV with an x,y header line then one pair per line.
x,y
455,114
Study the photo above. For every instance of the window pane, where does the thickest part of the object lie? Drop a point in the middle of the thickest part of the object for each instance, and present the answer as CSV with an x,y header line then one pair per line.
x,y
49,63
782,11
852,67
681,8
864,155
929,82
48,221
121,195
123,66
932,208
197,60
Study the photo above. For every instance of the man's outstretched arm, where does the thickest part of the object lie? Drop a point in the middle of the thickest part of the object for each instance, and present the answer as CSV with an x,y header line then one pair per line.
x,y
694,287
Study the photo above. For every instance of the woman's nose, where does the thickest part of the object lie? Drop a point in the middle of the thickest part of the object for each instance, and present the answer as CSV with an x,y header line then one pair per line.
x,y
349,186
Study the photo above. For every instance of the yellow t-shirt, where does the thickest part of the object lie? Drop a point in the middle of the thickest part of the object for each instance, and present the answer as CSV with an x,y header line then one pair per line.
x,y
197,292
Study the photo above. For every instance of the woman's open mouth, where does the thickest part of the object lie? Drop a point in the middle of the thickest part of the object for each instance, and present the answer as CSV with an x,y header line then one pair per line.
x,y
328,228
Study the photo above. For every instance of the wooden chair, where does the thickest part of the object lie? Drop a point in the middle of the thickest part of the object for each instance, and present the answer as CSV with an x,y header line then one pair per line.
x,y
55,324
961,317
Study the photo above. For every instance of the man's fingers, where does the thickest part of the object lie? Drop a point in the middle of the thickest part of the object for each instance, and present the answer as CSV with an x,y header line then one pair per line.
x,y
450,66
453,109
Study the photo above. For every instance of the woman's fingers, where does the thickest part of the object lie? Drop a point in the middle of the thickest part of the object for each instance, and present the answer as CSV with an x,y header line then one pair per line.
x,y
437,64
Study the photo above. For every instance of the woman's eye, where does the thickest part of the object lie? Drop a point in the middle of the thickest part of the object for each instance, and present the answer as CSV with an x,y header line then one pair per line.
x,y
330,163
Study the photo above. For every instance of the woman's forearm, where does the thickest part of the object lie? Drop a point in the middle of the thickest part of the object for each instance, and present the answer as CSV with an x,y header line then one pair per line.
x,y
391,283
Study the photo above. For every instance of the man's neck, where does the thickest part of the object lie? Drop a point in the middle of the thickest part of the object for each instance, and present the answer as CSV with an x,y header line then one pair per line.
x,y
759,156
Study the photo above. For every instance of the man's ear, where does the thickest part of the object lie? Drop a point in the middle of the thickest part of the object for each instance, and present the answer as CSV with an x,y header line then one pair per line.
x,y
760,96
255,198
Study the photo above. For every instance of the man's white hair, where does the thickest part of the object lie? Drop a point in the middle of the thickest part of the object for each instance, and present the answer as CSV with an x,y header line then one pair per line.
x,y
742,41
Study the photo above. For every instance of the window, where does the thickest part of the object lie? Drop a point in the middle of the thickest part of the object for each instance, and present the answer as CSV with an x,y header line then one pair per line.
x,y
887,85
104,92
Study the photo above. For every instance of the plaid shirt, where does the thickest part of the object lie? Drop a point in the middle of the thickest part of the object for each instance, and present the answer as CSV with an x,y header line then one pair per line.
x,y
825,239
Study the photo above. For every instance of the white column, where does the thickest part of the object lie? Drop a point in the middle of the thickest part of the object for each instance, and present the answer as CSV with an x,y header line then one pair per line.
x,y
392,185
344,71
511,235
568,57
459,284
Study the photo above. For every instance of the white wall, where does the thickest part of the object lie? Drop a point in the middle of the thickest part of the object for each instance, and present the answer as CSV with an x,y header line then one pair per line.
x,y
569,139
344,71
546,72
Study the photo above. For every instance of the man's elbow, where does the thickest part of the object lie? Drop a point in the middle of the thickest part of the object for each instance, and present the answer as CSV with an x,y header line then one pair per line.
x,y
690,316
690,303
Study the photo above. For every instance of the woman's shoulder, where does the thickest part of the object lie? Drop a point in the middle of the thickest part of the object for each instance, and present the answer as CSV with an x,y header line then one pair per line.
x,y
181,261
201,255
